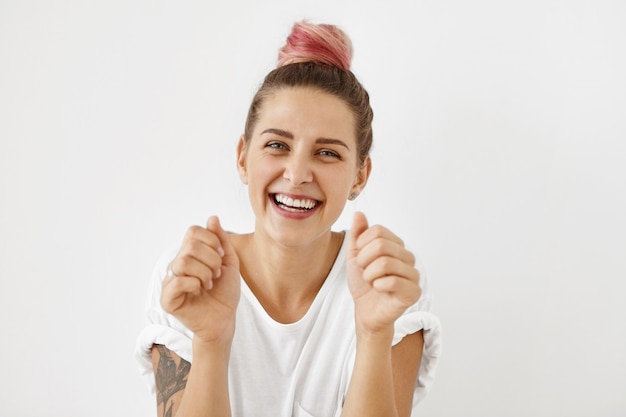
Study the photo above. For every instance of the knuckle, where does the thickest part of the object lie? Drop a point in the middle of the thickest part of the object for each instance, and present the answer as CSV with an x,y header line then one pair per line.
x,y
384,264
418,275
378,231
183,264
176,284
412,258
194,232
379,245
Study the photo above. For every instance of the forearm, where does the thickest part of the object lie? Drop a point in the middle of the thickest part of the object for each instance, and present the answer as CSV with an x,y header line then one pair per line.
x,y
371,390
206,393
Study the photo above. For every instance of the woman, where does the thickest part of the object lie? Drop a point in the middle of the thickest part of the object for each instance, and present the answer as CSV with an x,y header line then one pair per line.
x,y
294,319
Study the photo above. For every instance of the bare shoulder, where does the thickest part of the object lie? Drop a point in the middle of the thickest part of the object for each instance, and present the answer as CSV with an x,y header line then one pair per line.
x,y
240,241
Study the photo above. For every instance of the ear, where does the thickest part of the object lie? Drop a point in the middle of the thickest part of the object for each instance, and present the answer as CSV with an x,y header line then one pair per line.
x,y
241,160
362,176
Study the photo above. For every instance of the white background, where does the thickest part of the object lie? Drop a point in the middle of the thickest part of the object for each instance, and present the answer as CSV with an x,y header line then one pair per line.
x,y
500,153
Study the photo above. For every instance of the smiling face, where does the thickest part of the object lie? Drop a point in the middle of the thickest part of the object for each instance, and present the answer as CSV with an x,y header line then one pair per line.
x,y
300,164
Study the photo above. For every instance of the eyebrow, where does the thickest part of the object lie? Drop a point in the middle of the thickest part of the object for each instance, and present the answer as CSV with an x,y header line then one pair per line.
x,y
289,135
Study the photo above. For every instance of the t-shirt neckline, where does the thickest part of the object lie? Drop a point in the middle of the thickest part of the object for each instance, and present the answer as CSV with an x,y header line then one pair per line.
x,y
329,282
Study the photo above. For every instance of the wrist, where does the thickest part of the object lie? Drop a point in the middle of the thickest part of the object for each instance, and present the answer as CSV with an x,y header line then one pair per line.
x,y
219,333
380,336
212,346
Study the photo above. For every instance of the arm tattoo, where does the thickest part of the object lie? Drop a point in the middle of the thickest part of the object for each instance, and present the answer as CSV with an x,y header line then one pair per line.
x,y
170,378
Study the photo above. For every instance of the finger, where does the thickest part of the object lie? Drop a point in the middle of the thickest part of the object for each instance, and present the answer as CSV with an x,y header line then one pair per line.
x,y
359,225
186,265
178,285
227,251
384,247
198,234
175,289
199,257
388,266
209,255
377,232
408,292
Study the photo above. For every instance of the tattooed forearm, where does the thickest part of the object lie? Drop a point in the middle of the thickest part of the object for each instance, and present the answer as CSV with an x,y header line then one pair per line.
x,y
170,378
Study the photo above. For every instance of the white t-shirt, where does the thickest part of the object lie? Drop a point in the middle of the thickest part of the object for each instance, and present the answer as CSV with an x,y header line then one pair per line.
x,y
300,369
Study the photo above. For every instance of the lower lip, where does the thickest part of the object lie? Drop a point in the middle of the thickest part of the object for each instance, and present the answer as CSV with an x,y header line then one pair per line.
x,y
298,215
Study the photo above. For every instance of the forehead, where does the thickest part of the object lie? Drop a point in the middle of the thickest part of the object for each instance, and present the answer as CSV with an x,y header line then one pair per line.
x,y
307,112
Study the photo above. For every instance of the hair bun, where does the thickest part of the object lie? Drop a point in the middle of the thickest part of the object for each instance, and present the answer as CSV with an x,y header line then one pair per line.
x,y
322,43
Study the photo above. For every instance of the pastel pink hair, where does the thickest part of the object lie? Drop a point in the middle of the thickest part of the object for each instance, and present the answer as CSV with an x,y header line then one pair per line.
x,y
323,43
318,56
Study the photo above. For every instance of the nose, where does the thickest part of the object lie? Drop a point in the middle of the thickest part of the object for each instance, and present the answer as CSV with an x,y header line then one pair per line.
x,y
298,169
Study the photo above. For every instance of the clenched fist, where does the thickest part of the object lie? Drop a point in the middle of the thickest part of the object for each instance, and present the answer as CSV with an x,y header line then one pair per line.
x,y
203,283
382,276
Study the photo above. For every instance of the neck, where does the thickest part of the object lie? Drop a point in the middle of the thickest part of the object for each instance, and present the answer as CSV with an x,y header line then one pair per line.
x,y
286,279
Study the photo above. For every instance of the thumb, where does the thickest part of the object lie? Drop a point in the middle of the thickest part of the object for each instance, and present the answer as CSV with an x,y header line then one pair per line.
x,y
359,225
213,225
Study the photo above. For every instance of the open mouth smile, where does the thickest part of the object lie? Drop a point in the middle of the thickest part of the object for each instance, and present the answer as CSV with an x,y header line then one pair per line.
x,y
295,205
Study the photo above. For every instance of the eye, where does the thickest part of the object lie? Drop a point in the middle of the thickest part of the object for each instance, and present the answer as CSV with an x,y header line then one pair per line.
x,y
276,145
328,152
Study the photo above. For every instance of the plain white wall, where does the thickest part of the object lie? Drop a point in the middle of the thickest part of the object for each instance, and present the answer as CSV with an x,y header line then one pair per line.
x,y
499,156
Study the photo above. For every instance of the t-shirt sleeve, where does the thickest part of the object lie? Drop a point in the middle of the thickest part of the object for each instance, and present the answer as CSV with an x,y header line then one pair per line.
x,y
419,317
161,328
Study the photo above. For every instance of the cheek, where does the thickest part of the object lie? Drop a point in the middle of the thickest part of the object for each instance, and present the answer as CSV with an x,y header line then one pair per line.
x,y
261,172
339,182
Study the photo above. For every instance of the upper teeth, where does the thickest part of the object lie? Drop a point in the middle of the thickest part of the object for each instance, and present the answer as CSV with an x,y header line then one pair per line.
x,y
299,203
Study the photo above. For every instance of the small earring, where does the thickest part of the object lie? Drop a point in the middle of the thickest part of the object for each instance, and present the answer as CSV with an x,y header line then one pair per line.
x,y
353,195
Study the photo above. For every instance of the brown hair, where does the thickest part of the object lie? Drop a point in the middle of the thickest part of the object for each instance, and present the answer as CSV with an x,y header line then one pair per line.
x,y
318,56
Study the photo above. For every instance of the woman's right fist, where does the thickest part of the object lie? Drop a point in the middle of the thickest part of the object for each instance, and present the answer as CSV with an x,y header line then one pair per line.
x,y
202,286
